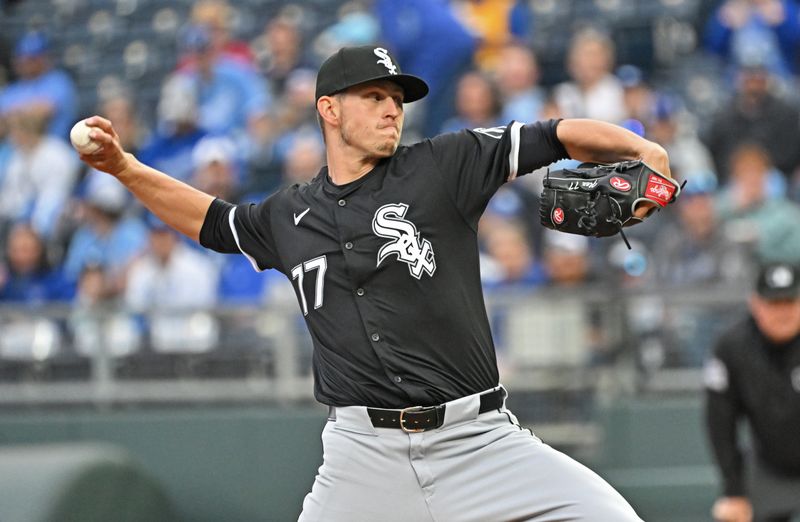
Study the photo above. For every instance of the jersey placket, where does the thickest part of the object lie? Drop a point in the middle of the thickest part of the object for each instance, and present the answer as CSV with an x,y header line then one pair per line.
x,y
347,217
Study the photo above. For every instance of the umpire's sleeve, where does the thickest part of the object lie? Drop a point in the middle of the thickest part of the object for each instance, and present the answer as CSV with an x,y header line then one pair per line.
x,y
722,413
244,228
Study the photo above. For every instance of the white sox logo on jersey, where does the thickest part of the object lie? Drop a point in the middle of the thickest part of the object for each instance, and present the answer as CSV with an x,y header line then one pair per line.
x,y
383,54
417,253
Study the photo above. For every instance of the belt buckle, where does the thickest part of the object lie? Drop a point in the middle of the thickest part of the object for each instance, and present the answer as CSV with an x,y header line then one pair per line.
x,y
410,409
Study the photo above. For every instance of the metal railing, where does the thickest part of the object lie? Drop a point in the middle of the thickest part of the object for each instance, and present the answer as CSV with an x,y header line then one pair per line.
x,y
571,341
562,354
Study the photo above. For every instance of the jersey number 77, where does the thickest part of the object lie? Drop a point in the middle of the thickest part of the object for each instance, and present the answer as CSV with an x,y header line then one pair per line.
x,y
320,264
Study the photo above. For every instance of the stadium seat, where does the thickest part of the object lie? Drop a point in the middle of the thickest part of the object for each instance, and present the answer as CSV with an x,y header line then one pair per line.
x,y
119,334
196,332
32,340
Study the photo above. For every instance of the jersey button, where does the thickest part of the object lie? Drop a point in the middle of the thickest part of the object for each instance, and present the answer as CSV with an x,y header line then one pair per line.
x,y
397,379
360,292
348,245
342,202
376,337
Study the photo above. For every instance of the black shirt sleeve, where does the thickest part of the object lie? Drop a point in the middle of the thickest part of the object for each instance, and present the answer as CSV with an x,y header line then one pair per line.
x,y
216,233
244,228
475,163
723,410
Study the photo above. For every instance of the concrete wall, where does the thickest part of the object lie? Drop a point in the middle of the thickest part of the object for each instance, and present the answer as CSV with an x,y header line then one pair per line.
x,y
251,464
655,453
231,464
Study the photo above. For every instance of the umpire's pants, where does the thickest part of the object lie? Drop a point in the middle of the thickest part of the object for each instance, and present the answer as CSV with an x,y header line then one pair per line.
x,y
775,497
473,468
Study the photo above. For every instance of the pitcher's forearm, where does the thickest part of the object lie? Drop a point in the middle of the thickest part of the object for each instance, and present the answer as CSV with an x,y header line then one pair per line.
x,y
601,142
177,204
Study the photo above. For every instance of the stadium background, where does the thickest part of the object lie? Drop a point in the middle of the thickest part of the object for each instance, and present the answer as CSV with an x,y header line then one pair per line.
x,y
144,379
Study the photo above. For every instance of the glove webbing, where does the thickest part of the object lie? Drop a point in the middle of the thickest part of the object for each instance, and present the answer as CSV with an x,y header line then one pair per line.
x,y
588,220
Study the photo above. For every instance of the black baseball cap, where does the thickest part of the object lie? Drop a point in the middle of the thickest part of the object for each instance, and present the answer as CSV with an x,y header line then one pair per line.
x,y
350,66
778,281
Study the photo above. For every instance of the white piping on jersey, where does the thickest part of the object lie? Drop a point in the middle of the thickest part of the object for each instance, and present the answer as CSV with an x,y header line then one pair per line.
x,y
239,245
513,155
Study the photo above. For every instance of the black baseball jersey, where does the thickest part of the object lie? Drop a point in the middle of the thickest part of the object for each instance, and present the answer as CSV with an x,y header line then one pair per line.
x,y
386,268
751,378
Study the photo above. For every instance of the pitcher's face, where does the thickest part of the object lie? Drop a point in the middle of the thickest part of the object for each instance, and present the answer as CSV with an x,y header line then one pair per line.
x,y
371,117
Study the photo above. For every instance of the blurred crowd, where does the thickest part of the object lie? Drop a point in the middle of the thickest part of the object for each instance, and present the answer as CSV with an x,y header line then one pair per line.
x,y
236,118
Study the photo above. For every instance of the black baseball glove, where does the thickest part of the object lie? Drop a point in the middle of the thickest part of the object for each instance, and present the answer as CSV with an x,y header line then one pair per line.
x,y
598,200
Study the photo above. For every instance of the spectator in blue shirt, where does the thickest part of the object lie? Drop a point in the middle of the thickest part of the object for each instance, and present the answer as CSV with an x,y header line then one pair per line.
x,y
25,276
511,258
517,75
739,29
38,173
478,104
282,52
232,98
217,168
751,211
106,237
50,90
170,147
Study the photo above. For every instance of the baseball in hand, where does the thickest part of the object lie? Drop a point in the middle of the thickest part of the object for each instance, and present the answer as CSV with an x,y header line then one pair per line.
x,y
79,136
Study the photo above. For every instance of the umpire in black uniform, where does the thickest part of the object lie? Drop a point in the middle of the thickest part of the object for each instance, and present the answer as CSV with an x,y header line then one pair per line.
x,y
754,375
381,247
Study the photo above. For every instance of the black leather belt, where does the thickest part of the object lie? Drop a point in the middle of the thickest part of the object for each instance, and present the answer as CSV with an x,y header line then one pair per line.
x,y
421,418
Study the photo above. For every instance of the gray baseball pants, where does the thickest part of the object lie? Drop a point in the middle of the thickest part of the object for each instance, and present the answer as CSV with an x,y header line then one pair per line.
x,y
475,467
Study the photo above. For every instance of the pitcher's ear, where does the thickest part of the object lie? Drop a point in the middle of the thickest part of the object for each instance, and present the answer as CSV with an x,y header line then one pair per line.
x,y
329,108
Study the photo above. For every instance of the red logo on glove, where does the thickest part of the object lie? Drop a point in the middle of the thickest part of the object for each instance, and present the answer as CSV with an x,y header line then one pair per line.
x,y
659,190
620,184
558,216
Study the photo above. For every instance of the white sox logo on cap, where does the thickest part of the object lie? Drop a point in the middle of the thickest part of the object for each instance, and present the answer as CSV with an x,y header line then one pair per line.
x,y
351,66
385,60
